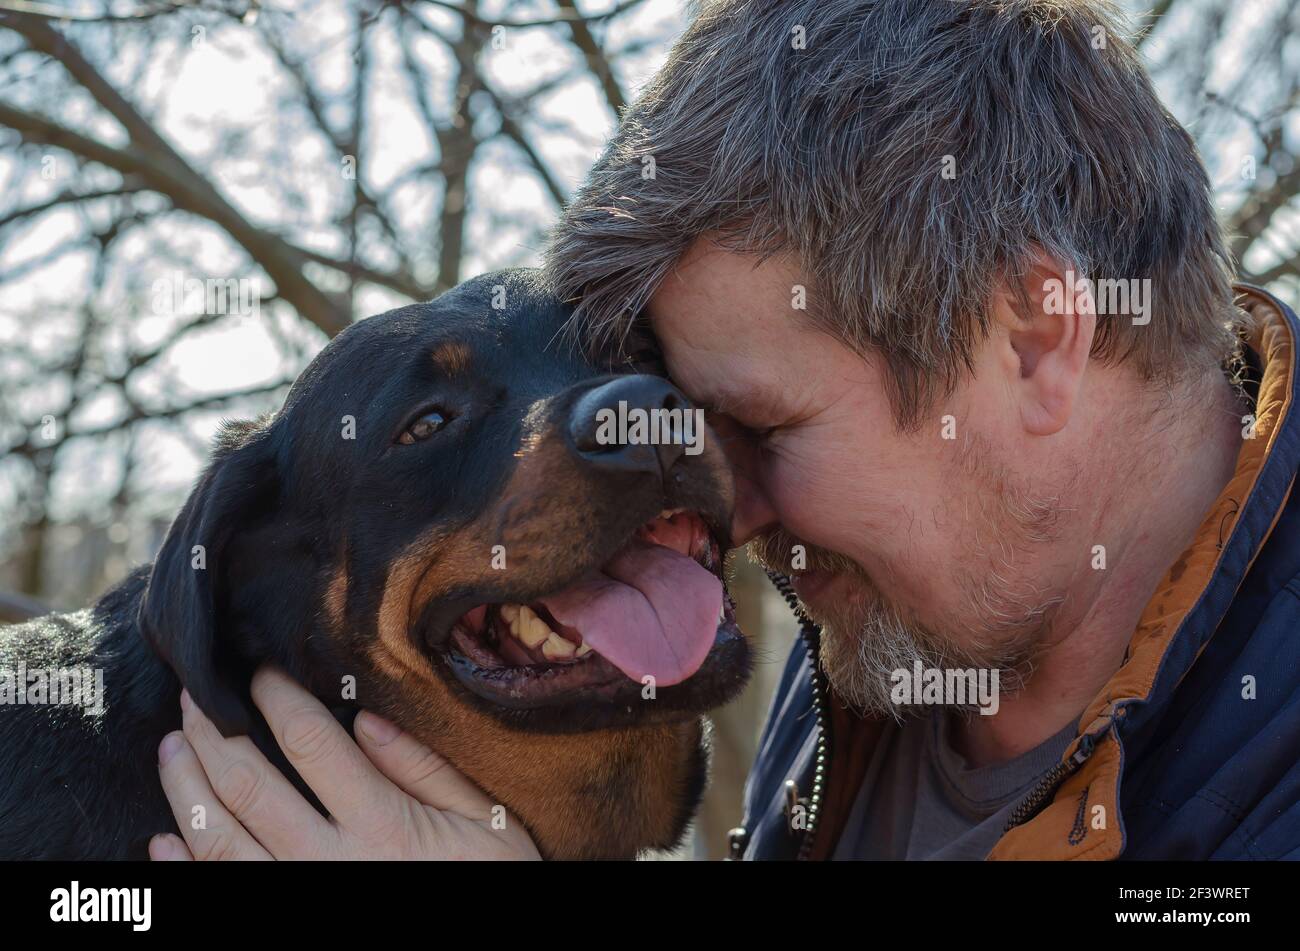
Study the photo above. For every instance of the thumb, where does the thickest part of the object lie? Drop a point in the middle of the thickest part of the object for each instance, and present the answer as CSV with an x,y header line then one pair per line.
x,y
417,770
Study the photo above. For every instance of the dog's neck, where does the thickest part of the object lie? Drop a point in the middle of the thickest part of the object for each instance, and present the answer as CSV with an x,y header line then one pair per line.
x,y
606,794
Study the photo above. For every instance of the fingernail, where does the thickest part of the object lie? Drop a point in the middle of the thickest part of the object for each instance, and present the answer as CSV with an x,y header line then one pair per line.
x,y
160,847
170,746
185,700
377,728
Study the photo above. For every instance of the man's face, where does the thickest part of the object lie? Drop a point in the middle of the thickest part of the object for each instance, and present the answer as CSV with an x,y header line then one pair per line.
x,y
918,547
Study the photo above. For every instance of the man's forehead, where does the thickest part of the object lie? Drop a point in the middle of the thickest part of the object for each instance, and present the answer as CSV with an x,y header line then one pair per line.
x,y
722,303
721,318
707,275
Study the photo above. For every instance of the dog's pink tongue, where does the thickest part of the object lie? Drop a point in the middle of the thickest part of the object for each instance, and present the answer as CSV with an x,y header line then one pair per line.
x,y
650,612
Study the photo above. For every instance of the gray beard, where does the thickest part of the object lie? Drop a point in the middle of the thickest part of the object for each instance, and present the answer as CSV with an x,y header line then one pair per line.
x,y
860,655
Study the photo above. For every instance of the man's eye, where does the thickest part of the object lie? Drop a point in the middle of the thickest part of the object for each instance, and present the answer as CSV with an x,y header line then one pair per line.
x,y
728,427
647,360
424,427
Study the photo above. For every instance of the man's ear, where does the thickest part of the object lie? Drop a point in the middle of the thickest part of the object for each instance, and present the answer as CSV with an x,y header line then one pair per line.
x,y
1047,320
180,614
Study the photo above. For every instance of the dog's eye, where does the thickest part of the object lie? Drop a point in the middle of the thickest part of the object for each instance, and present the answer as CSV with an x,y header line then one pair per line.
x,y
423,427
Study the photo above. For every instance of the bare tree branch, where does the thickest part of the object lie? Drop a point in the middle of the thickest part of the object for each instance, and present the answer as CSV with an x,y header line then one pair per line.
x,y
512,130
47,11
470,12
595,56
1257,211
165,170
32,446
1153,18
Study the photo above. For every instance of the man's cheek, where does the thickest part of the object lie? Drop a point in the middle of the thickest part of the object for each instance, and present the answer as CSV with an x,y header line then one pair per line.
x,y
809,484
807,506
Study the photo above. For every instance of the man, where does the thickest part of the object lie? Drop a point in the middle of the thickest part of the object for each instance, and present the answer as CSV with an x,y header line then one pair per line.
x,y
949,280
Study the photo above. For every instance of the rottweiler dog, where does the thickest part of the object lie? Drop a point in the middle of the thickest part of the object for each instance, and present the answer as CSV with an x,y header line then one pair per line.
x,y
432,527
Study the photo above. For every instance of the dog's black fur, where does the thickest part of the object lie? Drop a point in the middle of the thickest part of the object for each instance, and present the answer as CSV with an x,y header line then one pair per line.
x,y
291,515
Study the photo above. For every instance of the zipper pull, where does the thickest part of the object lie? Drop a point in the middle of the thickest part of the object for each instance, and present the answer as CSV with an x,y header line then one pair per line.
x,y
737,839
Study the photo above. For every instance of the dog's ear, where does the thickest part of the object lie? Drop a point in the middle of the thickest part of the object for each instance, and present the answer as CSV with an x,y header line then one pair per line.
x,y
182,609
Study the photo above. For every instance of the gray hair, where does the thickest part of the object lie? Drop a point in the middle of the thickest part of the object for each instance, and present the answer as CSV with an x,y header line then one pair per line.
x,y
823,128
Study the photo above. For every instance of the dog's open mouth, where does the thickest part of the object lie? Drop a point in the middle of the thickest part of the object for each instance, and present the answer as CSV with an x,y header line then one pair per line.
x,y
649,616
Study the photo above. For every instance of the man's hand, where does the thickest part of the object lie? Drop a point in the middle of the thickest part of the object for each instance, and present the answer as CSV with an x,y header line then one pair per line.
x,y
388,796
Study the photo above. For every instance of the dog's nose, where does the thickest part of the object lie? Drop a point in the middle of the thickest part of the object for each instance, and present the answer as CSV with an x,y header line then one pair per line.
x,y
628,425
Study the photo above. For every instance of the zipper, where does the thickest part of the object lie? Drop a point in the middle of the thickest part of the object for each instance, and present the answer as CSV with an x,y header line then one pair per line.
x,y
812,635
1037,798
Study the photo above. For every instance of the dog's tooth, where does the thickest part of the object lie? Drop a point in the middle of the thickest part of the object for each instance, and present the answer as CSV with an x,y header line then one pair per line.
x,y
583,649
509,613
539,634
529,628
722,612
556,648
516,622
521,623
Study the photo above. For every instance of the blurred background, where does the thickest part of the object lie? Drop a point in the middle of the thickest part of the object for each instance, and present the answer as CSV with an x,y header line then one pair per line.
x,y
194,196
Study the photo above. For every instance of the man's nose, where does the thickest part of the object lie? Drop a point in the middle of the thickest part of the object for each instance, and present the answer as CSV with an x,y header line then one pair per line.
x,y
600,421
754,514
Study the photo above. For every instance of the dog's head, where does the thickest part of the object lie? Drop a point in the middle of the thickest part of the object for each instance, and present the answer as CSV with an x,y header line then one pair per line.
x,y
460,522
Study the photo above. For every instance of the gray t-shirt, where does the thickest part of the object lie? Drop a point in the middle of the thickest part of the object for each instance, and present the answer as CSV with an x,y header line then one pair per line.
x,y
920,800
